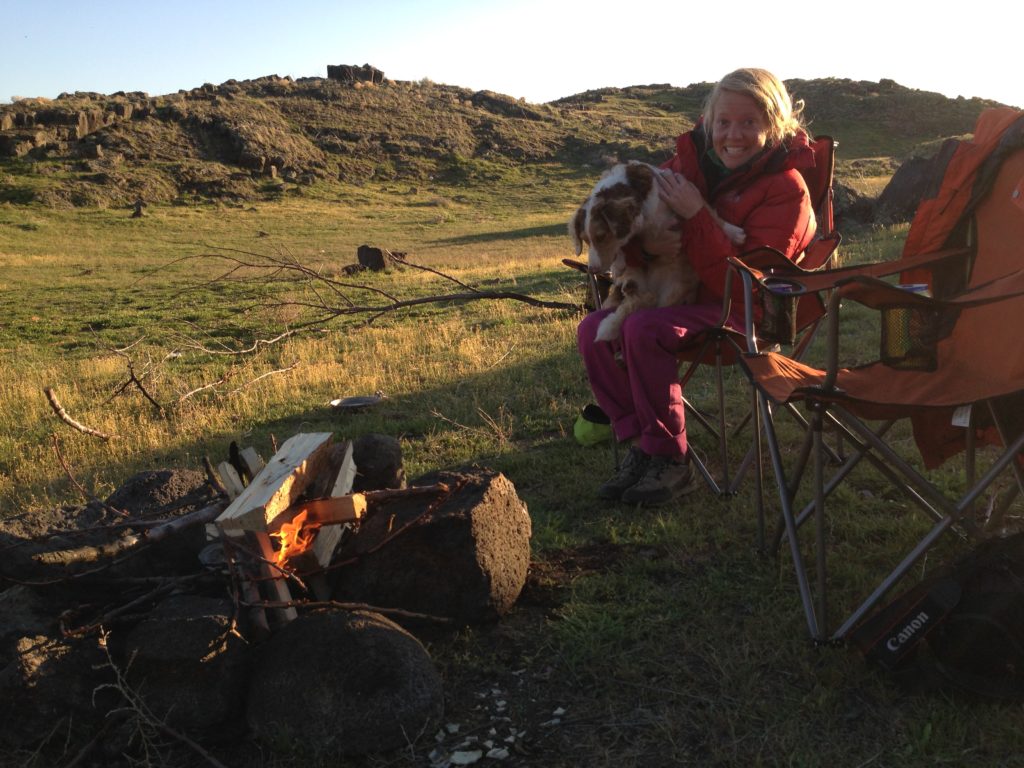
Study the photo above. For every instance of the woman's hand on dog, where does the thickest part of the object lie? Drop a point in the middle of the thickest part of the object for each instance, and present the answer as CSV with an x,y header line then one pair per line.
x,y
679,194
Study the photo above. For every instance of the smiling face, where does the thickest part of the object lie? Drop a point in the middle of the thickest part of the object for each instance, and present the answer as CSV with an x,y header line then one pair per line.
x,y
739,128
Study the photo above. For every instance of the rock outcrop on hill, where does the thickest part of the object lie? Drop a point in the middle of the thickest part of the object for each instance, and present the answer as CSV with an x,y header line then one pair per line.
x,y
252,139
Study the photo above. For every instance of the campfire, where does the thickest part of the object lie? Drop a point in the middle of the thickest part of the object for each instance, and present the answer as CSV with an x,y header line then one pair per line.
x,y
302,557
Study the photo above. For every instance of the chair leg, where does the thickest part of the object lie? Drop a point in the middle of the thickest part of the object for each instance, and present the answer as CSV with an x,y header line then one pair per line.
x,y
758,470
723,442
771,439
819,509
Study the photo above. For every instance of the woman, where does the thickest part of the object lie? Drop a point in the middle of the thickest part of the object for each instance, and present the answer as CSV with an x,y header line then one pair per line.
x,y
742,159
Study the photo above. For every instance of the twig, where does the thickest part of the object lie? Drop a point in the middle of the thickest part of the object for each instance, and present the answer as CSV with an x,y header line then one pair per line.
x,y
110,615
291,367
213,479
349,607
144,716
67,471
203,388
256,345
63,416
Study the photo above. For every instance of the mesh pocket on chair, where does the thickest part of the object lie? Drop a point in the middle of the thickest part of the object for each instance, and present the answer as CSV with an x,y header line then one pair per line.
x,y
909,338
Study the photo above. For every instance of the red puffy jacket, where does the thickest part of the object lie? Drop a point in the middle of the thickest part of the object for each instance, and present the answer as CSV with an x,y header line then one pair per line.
x,y
769,200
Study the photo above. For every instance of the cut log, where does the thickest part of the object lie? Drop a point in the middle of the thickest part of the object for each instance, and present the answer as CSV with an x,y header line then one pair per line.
x,y
279,484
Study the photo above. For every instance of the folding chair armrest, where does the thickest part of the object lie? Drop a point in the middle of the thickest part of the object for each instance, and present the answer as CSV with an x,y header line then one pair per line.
x,y
879,295
817,281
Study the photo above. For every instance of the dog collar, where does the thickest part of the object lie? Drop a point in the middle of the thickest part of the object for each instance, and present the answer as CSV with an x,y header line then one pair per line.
x,y
635,254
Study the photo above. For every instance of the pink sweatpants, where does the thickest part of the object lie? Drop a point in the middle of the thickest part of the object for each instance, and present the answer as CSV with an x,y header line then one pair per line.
x,y
644,399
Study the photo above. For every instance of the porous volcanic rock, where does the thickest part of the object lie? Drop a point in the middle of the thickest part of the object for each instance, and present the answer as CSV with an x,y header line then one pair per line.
x,y
339,683
187,664
379,464
52,684
461,555
149,490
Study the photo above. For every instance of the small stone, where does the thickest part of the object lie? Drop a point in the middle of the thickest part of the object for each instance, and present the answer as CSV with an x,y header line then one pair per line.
x,y
467,758
499,753
452,728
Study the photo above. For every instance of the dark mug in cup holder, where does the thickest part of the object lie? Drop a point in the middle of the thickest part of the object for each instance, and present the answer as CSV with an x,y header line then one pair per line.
x,y
778,303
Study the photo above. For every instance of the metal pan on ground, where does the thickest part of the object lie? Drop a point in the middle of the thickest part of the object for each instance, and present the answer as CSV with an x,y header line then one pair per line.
x,y
356,403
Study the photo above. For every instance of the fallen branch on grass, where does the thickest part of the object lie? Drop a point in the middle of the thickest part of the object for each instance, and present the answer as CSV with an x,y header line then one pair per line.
x,y
63,416
330,296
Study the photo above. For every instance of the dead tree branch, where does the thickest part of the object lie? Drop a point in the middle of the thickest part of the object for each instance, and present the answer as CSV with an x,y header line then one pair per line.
x,y
63,416
329,299
91,554
137,381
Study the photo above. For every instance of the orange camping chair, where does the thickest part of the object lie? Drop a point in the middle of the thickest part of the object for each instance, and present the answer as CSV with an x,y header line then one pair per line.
x,y
776,320
952,362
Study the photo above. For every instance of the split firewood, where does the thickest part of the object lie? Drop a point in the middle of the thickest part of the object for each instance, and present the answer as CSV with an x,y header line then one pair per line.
x,y
279,484
274,581
251,461
91,554
230,479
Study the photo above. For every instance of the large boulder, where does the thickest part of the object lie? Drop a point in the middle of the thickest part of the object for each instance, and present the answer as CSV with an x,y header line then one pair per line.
x,y
51,685
339,683
901,196
461,554
187,664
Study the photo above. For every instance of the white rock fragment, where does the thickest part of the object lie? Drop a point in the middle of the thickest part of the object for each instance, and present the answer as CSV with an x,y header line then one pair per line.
x,y
559,712
466,757
499,753
452,728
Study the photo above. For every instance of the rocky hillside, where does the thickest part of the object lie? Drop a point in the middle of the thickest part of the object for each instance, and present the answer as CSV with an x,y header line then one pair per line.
x,y
246,140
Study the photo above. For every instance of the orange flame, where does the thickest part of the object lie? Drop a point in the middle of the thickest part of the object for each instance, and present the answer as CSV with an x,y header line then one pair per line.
x,y
296,537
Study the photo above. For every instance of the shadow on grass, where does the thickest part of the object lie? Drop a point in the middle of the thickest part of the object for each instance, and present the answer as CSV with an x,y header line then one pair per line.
x,y
508,234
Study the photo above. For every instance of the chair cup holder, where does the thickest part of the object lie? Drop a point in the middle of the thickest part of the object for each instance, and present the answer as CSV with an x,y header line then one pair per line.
x,y
909,338
778,317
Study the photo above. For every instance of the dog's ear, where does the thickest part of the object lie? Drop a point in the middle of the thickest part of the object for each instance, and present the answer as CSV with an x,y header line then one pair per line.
x,y
620,216
640,177
576,224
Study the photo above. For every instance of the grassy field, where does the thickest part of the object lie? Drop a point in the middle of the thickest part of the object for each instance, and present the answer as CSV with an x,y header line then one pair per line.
x,y
664,637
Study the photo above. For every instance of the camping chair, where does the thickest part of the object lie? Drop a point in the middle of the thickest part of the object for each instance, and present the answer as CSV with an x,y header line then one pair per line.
x,y
950,362
779,320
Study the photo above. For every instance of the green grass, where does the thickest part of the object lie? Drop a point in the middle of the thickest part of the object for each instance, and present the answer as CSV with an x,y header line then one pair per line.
x,y
675,643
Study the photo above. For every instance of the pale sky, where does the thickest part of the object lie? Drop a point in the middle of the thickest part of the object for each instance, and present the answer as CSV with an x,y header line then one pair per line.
x,y
539,50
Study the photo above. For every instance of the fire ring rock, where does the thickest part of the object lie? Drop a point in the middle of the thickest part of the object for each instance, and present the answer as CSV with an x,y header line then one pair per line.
x,y
463,556
339,683
187,665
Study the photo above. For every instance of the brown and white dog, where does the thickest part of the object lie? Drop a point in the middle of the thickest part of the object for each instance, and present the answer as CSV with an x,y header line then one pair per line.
x,y
652,270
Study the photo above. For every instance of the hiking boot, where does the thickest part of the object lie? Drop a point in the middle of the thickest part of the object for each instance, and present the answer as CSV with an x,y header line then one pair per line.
x,y
665,479
631,469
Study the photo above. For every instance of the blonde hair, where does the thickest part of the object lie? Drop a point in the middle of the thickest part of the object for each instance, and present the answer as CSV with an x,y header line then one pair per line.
x,y
785,117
